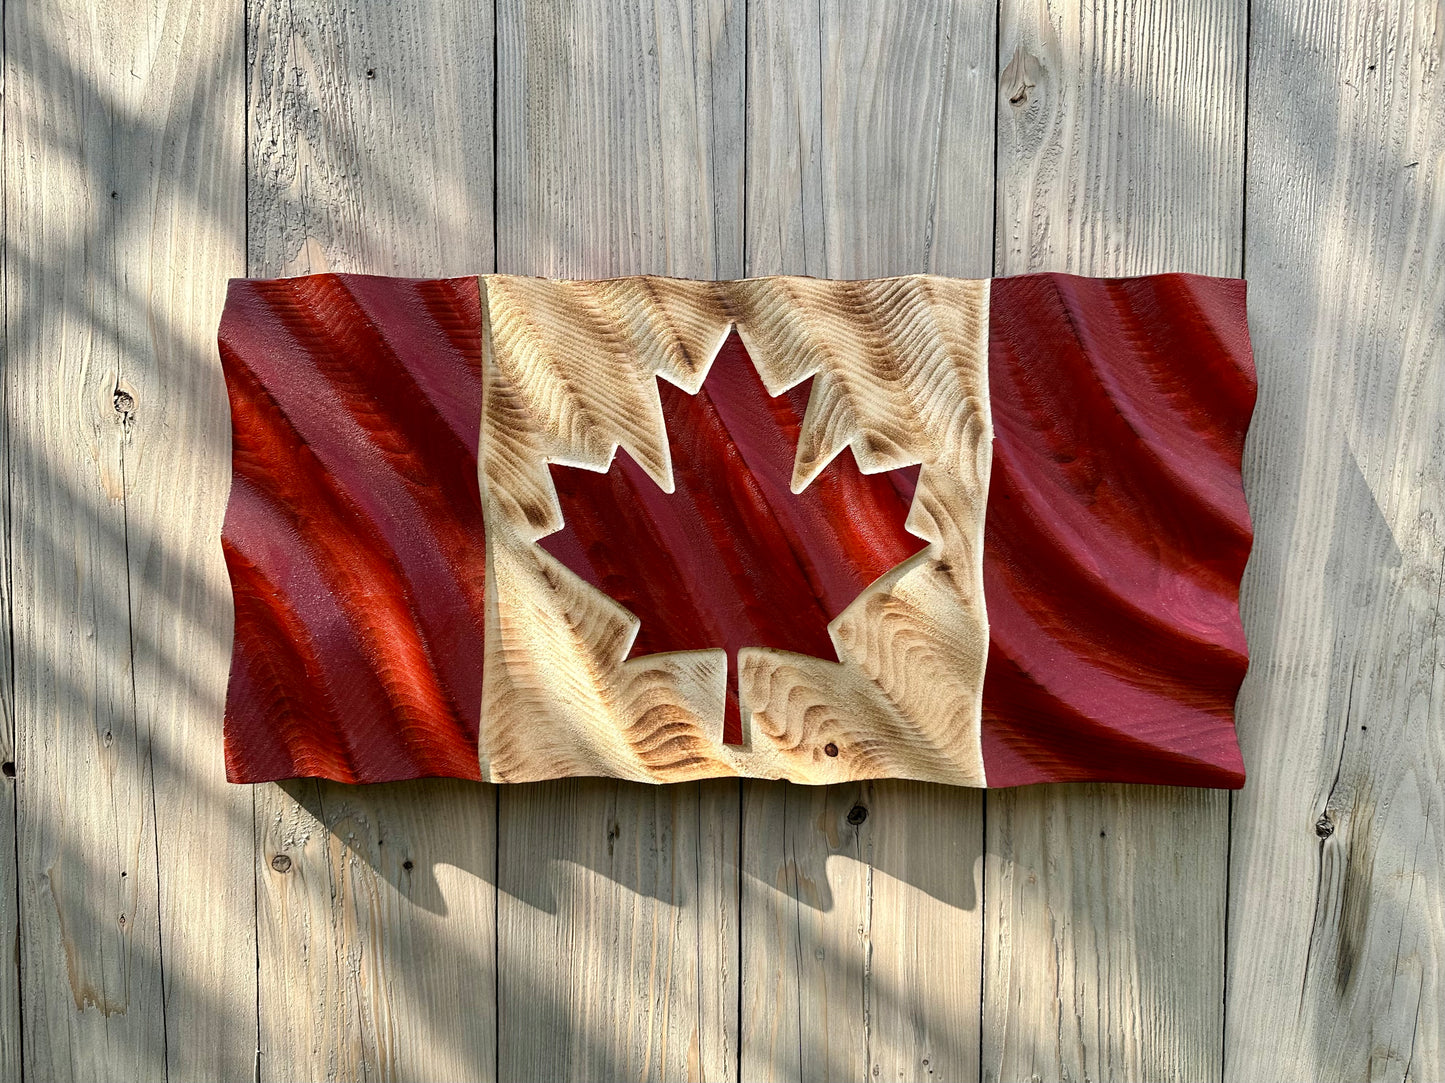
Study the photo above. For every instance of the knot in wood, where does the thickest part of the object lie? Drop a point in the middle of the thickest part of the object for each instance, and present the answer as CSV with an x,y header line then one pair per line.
x,y
857,814
1324,828
281,863
830,749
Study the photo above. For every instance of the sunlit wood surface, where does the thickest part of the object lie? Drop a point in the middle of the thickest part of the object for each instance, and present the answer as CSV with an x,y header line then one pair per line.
x,y
159,923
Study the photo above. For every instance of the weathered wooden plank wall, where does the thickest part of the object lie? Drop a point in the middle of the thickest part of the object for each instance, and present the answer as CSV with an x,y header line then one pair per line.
x,y
163,924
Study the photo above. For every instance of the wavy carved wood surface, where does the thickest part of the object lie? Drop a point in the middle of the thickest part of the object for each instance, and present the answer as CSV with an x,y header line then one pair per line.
x,y
661,530
1117,529
353,533
899,375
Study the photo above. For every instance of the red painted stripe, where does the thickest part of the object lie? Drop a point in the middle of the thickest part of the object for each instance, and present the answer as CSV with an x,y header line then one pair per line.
x,y
1116,530
354,533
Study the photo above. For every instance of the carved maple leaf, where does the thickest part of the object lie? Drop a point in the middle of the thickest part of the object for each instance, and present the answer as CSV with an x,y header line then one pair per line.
x,y
732,557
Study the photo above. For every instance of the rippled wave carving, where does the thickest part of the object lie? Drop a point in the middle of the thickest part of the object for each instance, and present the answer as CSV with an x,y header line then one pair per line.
x,y
892,370
1117,529
407,516
354,530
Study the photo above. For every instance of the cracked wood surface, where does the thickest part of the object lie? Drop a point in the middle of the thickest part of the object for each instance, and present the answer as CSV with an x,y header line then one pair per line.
x,y
697,931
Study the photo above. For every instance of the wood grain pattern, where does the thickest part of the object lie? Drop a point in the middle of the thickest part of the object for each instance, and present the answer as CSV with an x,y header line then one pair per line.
x,y
867,153
189,172
123,213
1120,136
353,535
870,130
898,370
1116,530
10,995
620,151
1337,901
10,998
370,152
732,557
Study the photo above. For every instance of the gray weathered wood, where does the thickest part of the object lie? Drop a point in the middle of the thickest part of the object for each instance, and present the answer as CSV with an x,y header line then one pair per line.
x,y
1337,903
92,985
123,214
622,136
1120,152
9,911
370,151
870,146
619,151
10,1052
184,177
9,883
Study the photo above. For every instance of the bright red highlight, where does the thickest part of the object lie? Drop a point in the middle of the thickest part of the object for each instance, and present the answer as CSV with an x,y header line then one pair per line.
x,y
354,532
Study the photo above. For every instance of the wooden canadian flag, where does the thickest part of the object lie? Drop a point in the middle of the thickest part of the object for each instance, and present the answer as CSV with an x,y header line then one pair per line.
x,y
967,531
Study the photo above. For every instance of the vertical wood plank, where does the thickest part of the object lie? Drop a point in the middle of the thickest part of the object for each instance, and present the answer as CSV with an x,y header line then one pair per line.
x,y
619,152
9,873
10,1024
1120,152
123,215
1337,907
371,151
870,153
93,985
187,169
10,1021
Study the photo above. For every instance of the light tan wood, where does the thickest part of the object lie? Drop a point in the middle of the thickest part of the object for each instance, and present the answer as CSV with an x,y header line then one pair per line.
x,y
186,168
124,217
870,150
620,151
900,375
1337,902
1120,152
371,152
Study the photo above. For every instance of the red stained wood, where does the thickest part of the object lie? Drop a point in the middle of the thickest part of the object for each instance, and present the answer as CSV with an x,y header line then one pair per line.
x,y
1115,538
1117,530
732,558
354,533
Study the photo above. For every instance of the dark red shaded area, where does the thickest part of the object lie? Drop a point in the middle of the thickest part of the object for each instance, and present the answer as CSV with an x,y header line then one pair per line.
x,y
732,558
354,533
1117,530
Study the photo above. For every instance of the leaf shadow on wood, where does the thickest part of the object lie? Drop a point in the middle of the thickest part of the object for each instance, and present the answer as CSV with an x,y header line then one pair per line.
x,y
124,215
